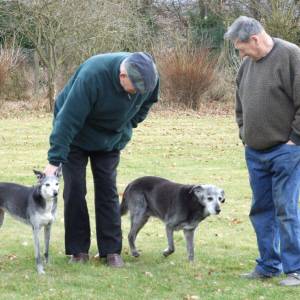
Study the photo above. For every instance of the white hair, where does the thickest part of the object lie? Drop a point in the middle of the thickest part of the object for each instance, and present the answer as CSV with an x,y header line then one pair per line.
x,y
242,28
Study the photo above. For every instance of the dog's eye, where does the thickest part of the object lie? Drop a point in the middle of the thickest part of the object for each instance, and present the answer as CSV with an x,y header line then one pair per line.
x,y
56,183
210,198
47,184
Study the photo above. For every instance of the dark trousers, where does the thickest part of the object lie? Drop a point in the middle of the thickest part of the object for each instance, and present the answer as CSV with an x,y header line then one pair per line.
x,y
108,220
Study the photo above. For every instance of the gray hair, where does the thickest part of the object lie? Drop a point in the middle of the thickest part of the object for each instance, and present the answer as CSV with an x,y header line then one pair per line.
x,y
242,28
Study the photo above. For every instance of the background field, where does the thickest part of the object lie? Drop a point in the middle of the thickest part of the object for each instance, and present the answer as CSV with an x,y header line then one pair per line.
x,y
187,148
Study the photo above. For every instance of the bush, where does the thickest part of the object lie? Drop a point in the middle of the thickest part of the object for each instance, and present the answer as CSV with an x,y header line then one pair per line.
x,y
281,19
207,30
12,73
6,64
224,85
186,73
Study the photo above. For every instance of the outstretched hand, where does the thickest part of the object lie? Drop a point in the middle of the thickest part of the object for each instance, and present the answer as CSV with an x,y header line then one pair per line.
x,y
50,170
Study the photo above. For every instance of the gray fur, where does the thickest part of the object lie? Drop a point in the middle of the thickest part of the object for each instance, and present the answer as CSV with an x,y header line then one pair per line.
x,y
35,206
179,206
242,28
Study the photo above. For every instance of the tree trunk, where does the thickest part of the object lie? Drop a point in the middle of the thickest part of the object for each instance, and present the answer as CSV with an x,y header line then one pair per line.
x,y
36,74
51,90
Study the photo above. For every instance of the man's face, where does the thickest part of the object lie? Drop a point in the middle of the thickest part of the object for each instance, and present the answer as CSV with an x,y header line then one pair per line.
x,y
249,48
126,83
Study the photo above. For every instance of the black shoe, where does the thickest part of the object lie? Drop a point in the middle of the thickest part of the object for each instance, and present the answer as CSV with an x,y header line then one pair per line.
x,y
79,258
254,275
114,260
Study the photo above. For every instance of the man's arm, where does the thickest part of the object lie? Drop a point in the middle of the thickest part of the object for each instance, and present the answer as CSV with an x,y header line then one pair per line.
x,y
70,119
238,107
295,76
142,113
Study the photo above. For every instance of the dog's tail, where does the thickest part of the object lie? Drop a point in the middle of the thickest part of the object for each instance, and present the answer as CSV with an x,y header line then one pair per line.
x,y
124,203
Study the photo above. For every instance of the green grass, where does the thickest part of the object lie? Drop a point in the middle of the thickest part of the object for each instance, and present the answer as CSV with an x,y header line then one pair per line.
x,y
183,148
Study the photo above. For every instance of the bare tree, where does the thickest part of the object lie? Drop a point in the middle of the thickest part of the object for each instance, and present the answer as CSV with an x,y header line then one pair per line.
x,y
60,29
279,17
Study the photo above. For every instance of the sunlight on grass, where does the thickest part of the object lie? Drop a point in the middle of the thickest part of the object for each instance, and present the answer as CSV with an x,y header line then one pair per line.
x,y
184,148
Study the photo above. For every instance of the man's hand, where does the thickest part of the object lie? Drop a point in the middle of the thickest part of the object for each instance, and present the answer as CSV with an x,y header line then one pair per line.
x,y
50,170
290,143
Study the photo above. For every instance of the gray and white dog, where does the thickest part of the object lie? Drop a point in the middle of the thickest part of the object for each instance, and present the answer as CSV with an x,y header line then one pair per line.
x,y
179,206
35,206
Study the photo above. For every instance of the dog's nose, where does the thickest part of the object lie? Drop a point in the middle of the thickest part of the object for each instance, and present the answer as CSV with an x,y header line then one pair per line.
x,y
218,210
55,194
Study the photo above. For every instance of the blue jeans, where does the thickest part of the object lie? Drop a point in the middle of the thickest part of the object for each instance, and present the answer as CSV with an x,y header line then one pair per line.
x,y
275,181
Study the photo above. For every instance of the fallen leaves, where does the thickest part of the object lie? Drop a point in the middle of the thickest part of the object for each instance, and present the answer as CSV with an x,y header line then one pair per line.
x,y
12,256
191,297
148,274
235,221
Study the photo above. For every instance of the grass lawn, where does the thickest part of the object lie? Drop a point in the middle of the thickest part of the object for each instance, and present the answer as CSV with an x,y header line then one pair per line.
x,y
182,147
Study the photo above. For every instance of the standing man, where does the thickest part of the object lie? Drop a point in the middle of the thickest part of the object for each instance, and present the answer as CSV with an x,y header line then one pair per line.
x,y
94,115
268,117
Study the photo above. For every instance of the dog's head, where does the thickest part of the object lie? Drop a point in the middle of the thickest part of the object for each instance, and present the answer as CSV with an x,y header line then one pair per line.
x,y
210,197
49,185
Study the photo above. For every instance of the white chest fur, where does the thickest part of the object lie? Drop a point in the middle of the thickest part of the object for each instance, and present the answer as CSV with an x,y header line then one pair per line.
x,y
45,216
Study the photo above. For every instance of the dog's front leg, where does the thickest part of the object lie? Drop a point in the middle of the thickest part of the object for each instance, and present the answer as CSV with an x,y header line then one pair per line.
x,y
37,253
189,237
1,216
47,231
171,248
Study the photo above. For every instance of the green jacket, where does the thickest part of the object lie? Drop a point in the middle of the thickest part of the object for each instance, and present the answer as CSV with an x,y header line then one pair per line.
x,y
94,112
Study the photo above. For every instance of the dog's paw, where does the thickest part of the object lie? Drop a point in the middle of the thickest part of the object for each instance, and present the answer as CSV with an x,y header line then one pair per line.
x,y
135,254
167,252
40,270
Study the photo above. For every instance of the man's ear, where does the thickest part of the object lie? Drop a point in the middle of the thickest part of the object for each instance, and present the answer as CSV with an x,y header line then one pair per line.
x,y
254,38
39,175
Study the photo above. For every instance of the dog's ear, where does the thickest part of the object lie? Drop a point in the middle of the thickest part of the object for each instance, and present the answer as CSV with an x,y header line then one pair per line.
x,y
223,196
39,175
58,171
197,190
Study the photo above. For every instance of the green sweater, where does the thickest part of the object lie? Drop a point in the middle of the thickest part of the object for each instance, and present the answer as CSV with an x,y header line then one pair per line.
x,y
94,112
268,97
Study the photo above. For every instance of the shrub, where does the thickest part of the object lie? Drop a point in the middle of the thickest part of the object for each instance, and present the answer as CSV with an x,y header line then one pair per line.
x,y
223,87
186,73
6,64
208,30
281,19
11,61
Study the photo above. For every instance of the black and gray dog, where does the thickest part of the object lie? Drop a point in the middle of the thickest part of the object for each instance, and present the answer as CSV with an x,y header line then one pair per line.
x,y
179,206
35,206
